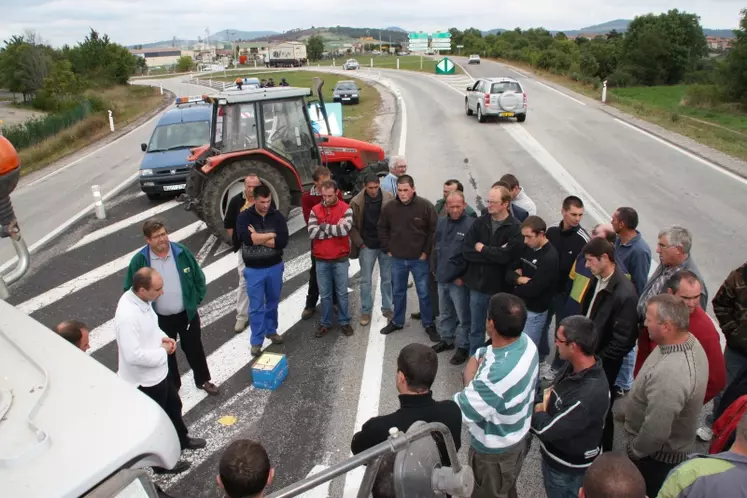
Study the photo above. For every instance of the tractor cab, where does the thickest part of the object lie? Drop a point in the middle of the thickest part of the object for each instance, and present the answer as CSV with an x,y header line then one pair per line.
x,y
269,132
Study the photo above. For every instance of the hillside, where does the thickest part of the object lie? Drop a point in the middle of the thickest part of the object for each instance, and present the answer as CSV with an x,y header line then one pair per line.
x,y
237,34
620,25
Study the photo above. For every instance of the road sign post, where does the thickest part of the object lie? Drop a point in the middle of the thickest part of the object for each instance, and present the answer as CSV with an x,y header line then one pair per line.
x,y
445,66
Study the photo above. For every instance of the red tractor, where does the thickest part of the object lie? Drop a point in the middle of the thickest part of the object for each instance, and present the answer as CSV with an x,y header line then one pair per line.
x,y
269,131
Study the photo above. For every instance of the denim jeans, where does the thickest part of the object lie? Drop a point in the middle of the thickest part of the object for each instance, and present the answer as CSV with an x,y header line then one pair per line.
x,y
557,311
560,484
263,286
368,258
332,278
735,364
625,377
535,326
401,269
478,308
454,318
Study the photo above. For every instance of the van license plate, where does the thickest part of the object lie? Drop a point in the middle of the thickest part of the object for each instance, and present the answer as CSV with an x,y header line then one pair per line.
x,y
174,187
507,114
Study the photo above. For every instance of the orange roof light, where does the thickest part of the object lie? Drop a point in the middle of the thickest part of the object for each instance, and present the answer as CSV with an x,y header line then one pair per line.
x,y
8,157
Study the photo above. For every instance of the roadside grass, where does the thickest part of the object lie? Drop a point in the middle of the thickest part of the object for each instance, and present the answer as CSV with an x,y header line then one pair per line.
x,y
127,103
408,62
358,120
722,127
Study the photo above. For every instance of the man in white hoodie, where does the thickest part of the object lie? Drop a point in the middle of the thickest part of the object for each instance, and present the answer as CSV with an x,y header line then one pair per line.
x,y
519,196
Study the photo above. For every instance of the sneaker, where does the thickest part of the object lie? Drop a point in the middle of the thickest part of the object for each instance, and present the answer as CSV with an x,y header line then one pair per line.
x,y
321,331
241,324
275,338
459,357
256,350
346,329
620,392
546,372
365,319
704,434
308,313
390,327
388,314
432,334
442,346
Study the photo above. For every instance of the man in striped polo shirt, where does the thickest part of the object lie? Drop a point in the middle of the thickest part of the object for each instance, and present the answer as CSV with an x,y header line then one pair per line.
x,y
496,402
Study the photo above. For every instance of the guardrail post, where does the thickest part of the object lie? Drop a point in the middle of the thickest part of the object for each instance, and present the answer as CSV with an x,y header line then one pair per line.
x,y
397,62
111,121
604,92
161,85
371,61
98,202
333,62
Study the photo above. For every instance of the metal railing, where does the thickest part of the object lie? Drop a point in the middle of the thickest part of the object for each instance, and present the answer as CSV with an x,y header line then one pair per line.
x,y
214,84
412,477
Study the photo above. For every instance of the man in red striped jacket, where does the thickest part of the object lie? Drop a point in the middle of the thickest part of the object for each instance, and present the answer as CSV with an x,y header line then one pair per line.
x,y
329,227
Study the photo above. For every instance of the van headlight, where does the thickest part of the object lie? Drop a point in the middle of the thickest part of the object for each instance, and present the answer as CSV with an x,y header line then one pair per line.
x,y
146,172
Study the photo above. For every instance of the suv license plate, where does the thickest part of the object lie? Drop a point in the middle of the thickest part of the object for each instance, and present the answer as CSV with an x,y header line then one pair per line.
x,y
174,187
507,114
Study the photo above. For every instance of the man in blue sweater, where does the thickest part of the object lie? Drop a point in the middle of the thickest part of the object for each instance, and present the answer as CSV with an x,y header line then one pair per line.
x,y
450,266
263,232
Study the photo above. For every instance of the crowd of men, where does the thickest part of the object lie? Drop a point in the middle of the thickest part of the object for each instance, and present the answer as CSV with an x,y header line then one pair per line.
x,y
504,275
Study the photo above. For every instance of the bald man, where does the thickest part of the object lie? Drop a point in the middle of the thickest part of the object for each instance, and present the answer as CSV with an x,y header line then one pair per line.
x,y
75,332
613,475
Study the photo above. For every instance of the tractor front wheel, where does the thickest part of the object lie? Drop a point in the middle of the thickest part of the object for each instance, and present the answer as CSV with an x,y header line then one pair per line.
x,y
228,181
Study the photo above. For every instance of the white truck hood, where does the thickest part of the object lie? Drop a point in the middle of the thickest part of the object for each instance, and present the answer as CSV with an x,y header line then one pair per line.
x,y
66,421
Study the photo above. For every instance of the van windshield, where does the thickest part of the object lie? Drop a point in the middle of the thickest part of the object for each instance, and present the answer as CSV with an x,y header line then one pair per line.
x,y
505,86
180,136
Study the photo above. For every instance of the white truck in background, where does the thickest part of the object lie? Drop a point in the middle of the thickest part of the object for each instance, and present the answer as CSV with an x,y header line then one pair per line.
x,y
286,55
69,426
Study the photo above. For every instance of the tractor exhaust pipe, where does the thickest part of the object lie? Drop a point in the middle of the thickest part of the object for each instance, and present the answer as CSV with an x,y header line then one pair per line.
x,y
318,84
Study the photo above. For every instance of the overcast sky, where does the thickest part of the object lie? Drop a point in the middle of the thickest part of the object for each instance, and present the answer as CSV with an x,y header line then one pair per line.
x,y
143,21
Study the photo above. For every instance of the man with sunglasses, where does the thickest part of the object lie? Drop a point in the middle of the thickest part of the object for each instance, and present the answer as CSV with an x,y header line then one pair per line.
x,y
569,419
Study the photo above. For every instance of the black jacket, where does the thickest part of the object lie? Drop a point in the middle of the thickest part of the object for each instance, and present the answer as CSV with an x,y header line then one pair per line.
x,y
615,319
486,270
450,234
413,407
570,430
261,256
568,243
542,267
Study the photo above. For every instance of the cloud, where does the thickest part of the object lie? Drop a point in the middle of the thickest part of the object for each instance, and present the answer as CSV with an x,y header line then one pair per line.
x,y
143,21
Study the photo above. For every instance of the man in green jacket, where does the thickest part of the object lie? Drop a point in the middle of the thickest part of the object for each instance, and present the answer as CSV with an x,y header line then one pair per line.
x,y
184,289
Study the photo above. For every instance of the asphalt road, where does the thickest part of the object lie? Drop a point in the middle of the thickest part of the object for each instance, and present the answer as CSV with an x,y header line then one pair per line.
x,y
336,382
46,200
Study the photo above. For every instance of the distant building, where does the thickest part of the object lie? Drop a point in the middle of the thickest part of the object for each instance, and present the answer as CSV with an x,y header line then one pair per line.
x,y
158,56
717,43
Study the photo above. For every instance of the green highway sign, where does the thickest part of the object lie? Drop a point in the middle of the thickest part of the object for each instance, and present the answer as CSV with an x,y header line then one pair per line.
x,y
445,66
418,36
441,35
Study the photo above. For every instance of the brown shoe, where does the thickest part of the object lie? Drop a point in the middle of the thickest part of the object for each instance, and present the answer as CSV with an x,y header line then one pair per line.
x,y
388,314
347,330
365,319
256,350
307,313
210,388
321,331
276,338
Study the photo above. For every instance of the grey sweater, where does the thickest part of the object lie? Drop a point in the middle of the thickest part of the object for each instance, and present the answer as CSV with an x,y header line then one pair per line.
x,y
661,415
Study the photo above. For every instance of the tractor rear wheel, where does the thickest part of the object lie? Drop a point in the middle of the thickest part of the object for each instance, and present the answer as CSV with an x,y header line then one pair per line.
x,y
227,182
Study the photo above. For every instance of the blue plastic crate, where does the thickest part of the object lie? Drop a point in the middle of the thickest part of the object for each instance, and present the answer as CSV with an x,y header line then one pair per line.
x,y
269,371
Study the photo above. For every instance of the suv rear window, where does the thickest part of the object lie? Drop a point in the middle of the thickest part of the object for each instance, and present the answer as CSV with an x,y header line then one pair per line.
x,y
505,86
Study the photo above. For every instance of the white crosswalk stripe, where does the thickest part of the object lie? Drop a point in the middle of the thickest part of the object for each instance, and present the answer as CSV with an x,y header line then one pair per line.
x,y
457,81
91,292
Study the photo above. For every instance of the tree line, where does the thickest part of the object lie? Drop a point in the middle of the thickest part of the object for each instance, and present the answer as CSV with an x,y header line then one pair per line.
x,y
665,49
55,79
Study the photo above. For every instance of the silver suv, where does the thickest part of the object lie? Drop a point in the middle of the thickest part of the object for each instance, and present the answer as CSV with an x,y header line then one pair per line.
x,y
501,97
